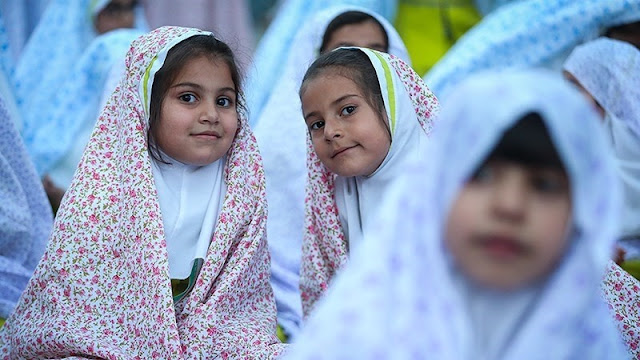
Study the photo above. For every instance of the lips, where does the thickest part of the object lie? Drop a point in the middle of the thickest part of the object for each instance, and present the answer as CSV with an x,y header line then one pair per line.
x,y
208,134
340,151
502,246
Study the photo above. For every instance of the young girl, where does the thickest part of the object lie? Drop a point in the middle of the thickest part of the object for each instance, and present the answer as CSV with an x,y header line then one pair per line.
x,y
285,156
493,249
608,73
169,195
368,114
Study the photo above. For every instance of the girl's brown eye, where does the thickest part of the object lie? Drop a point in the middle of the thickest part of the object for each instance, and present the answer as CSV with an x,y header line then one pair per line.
x,y
348,110
316,125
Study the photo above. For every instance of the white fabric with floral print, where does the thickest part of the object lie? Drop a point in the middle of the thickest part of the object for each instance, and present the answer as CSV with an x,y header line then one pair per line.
x,y
102,289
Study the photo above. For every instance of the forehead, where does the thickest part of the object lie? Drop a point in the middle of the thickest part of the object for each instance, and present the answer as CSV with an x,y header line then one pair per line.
x,y
203,67
364,34
328,86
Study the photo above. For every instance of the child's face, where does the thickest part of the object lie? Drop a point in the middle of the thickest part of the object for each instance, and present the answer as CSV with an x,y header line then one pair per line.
x,y
116,15
366,34
508,226
198,118
348,135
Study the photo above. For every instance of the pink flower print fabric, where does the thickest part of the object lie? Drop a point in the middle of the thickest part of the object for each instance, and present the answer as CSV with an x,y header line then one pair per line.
x,y
102,289
325,248
622,292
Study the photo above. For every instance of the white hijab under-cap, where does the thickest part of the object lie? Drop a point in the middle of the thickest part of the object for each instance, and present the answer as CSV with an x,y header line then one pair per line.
x,y
610,71
190,197
190,201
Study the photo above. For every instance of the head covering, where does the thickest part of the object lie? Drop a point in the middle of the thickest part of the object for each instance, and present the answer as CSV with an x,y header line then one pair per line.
x,y
103,288
7,69
276,44
400,289
284,159
622,292
63,34
528,33
21,18
336,206
57,143
610,71
25,215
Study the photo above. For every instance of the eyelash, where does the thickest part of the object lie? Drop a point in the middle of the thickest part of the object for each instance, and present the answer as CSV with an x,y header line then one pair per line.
x,y
228,100
353,107
223,101
315,126
183,97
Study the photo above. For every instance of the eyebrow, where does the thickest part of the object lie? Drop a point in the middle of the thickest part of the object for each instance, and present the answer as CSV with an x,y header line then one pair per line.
x,y
200,87
333,103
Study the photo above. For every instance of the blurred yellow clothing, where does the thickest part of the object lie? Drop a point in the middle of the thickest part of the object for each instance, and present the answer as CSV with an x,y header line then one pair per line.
x,y
1,322
430,27
632,267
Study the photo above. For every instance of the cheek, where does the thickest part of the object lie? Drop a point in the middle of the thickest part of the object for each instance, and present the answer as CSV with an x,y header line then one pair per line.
x,y
552,227
459,223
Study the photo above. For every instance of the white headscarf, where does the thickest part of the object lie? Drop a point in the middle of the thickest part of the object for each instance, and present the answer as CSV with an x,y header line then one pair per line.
x,y
398,298
281,133
358,197
610,71
190,201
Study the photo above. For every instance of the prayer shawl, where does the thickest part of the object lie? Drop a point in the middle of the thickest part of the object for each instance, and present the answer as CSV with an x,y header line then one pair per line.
x,y
7,68
57,143
622,292
25,215
21,18
49,60
411,108
281,133
610,71
528,33
400,288
102,289
277,43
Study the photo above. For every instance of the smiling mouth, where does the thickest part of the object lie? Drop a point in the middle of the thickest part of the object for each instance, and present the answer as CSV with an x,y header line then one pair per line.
x,y
341,151
207,134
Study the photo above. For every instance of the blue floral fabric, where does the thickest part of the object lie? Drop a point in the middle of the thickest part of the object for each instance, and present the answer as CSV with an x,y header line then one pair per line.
x,y
25,215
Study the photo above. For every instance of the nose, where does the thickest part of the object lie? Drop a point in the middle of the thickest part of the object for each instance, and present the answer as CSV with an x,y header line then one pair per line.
x,y
332,130
209,113
510,197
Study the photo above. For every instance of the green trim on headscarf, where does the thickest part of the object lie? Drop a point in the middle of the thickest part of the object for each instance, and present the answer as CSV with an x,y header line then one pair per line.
x,y
391,91
145,84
